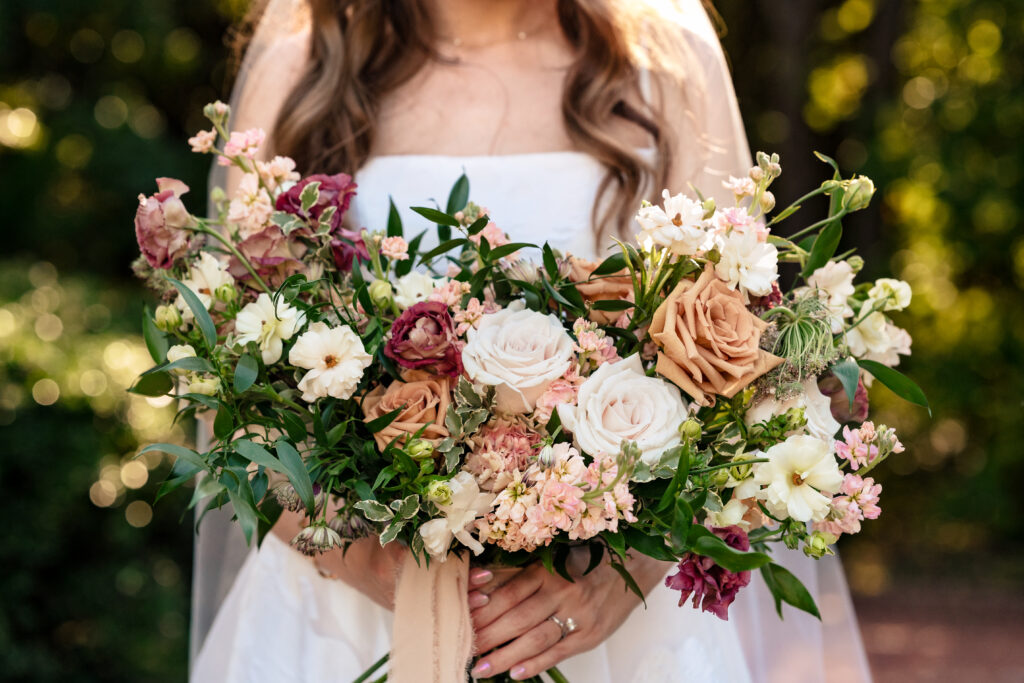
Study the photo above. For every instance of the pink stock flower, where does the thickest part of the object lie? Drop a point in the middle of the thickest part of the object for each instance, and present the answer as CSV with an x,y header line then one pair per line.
x,y
251,206
713,587
737,218
858,501
495,237
450,294
469,317
395,248
741,187
202,142
559,506
856,446
277,171
244,144
563,390
160,224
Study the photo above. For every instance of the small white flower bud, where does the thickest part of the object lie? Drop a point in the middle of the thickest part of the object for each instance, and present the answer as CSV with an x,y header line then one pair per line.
x,y
179,351
167,318
756,174
207,386
420,449
226,293
767,201
439,492
381,292
858,193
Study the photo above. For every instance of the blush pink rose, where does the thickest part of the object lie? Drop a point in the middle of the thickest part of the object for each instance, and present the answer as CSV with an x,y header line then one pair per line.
x,y
160,224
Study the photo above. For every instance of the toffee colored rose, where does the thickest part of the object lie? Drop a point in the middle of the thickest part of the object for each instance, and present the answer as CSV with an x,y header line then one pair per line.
x,y
159,224
423,399
423,338
713,587
337,191
709,341
617,286
841,410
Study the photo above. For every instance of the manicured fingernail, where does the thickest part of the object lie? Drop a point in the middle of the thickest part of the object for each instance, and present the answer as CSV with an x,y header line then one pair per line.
x,y
482,669
479,577
518,673
478,599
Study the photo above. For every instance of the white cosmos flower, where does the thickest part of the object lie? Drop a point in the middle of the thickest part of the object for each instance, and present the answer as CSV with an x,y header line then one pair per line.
x,y
680,226
415,287
335,358
800,477
893,295
747,263
467,504
834,283
204,277
520,353
620,403
817,409
268,325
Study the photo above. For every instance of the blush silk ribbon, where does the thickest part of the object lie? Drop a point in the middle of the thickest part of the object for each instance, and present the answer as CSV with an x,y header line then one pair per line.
x,y
432,639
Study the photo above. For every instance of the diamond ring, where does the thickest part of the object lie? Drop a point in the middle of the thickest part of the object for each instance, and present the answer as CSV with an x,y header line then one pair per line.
x,y
567,626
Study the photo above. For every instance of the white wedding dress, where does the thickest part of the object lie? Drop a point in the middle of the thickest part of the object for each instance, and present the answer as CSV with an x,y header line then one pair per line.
x,y
282,622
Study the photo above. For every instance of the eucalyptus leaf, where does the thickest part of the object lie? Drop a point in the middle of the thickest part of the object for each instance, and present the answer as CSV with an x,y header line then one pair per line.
x,y
199,312
246,372
849,375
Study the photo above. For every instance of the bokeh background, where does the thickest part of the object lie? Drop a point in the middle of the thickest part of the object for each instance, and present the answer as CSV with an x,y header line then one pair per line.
x,y
96,99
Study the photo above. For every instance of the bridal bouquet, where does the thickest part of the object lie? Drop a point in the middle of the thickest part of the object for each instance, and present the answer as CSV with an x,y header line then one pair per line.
x,y
503,399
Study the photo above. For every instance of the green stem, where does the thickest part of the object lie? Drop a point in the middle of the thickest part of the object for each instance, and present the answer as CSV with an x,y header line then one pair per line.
x,y
813,226
797,203
556,675
725,465
373,667
203,228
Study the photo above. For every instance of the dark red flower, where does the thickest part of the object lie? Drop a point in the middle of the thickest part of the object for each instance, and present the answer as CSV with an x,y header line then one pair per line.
x,y
713,587
830,386
423,338
337,191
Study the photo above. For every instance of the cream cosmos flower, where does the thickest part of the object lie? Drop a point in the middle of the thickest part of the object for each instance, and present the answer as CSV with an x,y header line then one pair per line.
x,y
268,325
335,358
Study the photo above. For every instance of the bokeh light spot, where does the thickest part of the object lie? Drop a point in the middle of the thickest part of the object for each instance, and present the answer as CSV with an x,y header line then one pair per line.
x,y
110,111
102,493
93,383
134,474
127,46
49,327
138,513
74,151
45,392
86,45
147,122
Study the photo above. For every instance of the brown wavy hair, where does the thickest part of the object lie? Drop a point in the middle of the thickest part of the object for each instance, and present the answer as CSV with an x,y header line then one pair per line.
x,y
362,50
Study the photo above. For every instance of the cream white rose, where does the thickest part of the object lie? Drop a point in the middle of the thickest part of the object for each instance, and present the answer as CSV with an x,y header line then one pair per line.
x,y
800,477
817,409
520,353
870,336
415,287
620,403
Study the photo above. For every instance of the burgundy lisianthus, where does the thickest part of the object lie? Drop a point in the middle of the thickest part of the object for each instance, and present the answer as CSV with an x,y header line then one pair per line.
x,y
274,256
423,338
160,224
713,587
337,191
841,410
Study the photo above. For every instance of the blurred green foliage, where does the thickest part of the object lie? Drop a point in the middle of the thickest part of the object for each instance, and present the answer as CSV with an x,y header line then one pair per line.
x,y
96,99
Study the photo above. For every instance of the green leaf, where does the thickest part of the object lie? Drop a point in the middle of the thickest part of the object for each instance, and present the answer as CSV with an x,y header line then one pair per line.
x,y
246,514
550,262
443,248
682,472
394,219
224,423
180,452
295,468
191,363
828,160
611,265
824,247
596,555
375,511
652,546
258,454
459,196
506,249
682,522
849,374
293,425
710,545
156,341
310,196
407,507
631,583
384,420
900,384
246,372
391,532
616,541
199,312
435,216
612,305
153,384
787,588
478,225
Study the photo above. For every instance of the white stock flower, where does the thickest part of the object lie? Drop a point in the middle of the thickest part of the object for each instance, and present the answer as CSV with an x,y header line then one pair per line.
x,y
800,477
335,358
747,263
620,403
680,226
204,277
467,503
520,353
179,351
731,514
817,409
870,336
899,345
892,295
834,284
415,287
268,325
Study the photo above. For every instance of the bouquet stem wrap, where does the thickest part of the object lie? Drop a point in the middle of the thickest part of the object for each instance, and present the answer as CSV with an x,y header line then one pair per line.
x,y
433,635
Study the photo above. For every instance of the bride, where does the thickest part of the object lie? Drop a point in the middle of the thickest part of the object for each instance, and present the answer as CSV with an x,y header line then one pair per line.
x,y
564,114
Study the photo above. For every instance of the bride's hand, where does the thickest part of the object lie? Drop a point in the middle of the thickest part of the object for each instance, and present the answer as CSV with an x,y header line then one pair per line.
x,y
516,616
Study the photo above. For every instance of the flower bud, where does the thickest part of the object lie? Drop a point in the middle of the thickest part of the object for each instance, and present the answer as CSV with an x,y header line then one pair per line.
x,y
756,174
226,293
179,351
216,111
217,195
767,201
419,449
546,458
167,318
318,538
690,429
287,497
720,478
439,492
709,207
856,263
858,193
381,292
830,186
742,469
207,386
775,168
818,545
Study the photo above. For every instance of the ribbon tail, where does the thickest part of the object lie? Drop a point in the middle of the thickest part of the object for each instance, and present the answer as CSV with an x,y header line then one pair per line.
x,y
433,635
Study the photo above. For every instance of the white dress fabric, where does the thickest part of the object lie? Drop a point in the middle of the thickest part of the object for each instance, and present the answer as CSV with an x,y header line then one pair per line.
x,y
281,621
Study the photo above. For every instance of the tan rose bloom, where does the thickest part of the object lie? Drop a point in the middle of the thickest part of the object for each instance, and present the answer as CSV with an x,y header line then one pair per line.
x,y
423,397
618,287
709,340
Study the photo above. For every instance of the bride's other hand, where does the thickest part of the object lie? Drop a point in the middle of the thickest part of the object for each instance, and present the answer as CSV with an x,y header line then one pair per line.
x,y
517,616
365,566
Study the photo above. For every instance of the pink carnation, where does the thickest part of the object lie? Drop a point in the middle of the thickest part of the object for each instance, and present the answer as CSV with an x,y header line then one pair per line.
x,y
160,224
395,248
713,587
